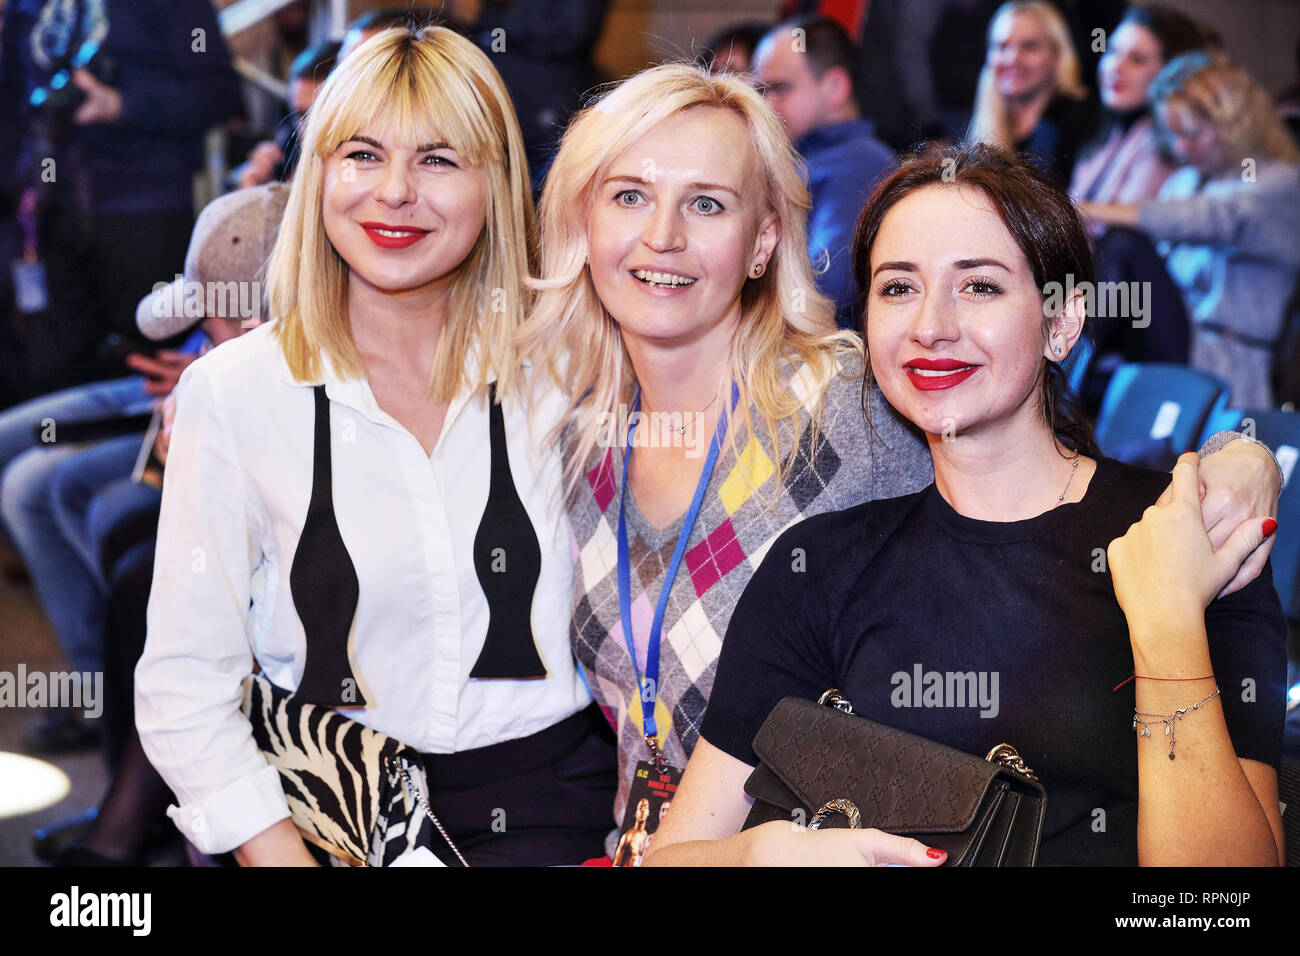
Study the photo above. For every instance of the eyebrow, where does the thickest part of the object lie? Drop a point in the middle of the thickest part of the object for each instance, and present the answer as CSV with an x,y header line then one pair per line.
x,y
979,263
894,266
696,185
427,148
901,266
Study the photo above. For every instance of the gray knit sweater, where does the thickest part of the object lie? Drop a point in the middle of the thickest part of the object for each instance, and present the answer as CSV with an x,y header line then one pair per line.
x,y
850,463
1233,247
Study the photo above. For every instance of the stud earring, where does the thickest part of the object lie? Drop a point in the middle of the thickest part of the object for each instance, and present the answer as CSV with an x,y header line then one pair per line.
x,y
758,269
1056,350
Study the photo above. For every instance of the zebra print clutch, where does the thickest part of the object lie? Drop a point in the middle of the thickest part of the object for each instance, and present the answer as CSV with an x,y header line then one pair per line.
x,y
356,793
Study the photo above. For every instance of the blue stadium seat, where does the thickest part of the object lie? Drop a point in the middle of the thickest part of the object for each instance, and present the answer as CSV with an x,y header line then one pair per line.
x,y
1153,412
1078,362
1280,431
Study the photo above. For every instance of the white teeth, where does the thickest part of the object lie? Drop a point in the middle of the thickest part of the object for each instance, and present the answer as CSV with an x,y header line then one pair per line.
x,y
936,372
393,234
667,279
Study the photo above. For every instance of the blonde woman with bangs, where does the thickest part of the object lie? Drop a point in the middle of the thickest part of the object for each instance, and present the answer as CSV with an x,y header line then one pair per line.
x,y
713,402
355,499
1031,96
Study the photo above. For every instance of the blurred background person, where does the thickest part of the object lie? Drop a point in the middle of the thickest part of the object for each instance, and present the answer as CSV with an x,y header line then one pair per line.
x,y
805,69
273,159
269,46
1125,163
1031,97
103,108
731,49
543,51
1228,222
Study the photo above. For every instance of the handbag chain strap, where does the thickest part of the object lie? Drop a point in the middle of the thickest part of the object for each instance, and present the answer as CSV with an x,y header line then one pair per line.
x,y
1003,754
423,804
1010,758
833,698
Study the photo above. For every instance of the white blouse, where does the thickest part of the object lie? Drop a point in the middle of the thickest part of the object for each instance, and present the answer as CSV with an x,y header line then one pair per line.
x,y
235,495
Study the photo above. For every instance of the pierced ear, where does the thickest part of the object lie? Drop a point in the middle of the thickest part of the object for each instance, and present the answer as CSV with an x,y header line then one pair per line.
x,y
769,234
1067,327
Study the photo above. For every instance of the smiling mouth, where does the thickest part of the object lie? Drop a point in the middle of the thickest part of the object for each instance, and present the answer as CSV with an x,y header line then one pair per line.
x,y
662,280
932,375
388,236
938,372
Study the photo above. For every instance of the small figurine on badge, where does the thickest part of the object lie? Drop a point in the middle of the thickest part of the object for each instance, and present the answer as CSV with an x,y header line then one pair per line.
x,y
633,844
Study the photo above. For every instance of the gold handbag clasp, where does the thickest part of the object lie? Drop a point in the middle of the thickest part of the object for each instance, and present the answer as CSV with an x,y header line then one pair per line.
x,y
846,807
1010,758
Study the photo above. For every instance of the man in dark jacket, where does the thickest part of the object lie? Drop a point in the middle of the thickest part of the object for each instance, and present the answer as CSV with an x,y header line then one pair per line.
x,y
806,68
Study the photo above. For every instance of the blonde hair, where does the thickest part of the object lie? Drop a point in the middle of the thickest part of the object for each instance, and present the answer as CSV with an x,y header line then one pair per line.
x,y
1219,91
991,122
783,316
418,81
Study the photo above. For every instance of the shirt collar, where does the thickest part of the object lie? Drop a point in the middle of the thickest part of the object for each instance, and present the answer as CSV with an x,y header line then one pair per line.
x,y
355,393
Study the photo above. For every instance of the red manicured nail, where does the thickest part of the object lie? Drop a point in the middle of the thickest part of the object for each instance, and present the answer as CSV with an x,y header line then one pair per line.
x,y
934,854
1269,526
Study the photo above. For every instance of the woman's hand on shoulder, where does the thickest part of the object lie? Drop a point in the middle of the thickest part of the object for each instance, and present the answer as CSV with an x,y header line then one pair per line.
x,y
1165,567
1241,481
779,843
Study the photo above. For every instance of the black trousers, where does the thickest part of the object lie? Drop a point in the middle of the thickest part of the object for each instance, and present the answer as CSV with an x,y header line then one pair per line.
x,y
543,800
130,574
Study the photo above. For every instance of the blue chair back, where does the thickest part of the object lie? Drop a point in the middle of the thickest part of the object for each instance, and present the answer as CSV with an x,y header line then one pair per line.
x,y
1280,431
1154,412
1078,362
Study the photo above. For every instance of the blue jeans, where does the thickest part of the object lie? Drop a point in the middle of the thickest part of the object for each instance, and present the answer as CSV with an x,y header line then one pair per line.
x,y
46,531
92,492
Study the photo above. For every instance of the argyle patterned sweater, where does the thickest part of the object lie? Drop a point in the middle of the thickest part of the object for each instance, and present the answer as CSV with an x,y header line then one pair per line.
x,y
743,512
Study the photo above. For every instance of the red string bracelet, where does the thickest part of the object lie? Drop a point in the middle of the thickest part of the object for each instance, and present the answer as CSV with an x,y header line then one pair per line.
x,y
1145,677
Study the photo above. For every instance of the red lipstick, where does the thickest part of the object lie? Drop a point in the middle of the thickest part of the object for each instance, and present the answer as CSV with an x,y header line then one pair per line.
x,y
958,373
402,237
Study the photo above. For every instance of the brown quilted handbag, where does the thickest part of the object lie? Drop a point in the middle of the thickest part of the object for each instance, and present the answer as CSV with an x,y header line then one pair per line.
x,y
820,762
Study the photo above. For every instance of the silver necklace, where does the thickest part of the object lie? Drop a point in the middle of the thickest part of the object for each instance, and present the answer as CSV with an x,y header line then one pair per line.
x,y
683,429
1073,469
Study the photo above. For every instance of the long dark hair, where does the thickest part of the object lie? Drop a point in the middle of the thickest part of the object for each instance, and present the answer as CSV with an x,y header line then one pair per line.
x,y
1177,34
1042,221
1175,31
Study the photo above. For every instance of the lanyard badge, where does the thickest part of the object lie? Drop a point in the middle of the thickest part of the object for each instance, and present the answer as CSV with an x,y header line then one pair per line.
x,y
655,781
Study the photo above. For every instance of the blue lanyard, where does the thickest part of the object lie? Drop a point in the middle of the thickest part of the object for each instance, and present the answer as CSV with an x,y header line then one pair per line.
x,y
648,688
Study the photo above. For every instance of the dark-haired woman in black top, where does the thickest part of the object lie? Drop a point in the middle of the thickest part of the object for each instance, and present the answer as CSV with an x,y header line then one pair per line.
x,y
1025,564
